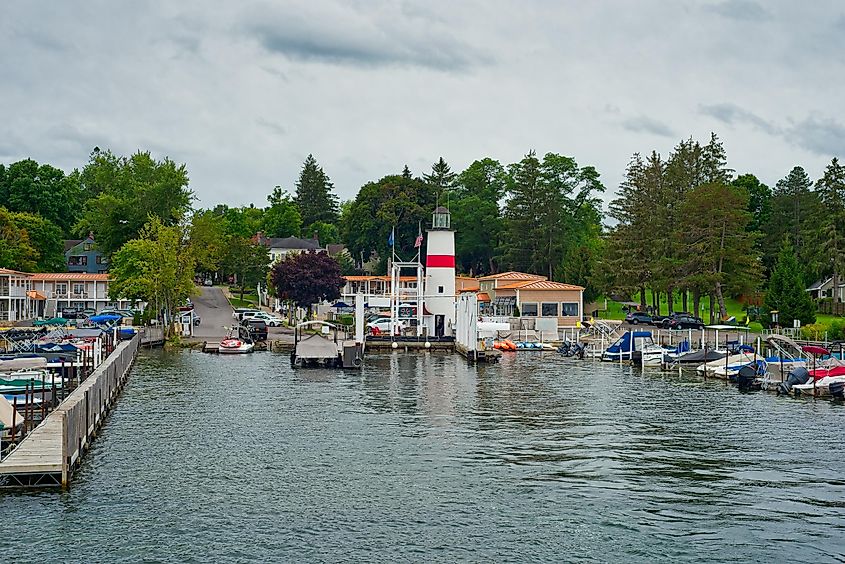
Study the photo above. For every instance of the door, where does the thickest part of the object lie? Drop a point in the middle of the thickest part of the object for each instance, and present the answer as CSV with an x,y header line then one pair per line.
x,y
439,325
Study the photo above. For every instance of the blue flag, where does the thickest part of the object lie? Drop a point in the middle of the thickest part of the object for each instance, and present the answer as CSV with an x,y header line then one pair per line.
x,y
390,239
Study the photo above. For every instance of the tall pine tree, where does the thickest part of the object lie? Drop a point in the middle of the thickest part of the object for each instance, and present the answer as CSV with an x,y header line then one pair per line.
x,y
831,192
441,178
314,195
787,294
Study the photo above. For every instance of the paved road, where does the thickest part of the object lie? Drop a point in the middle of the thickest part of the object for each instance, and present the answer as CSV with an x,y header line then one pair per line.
x,y
214,311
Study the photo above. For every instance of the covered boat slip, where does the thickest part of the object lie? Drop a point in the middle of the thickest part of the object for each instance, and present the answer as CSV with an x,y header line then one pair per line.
x,y
49,453
325,347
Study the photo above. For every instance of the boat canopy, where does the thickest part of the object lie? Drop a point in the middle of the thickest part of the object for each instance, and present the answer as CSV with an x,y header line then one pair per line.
x,y
727,327
815,351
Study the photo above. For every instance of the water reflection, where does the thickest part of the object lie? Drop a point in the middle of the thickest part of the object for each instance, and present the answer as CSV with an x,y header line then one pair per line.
x,y
424,457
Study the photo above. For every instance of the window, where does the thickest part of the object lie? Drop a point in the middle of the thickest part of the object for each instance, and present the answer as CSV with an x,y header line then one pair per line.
x,y
529,310
88,246
99,259
549,309
570,309
440,289
61,288
78,289
77,261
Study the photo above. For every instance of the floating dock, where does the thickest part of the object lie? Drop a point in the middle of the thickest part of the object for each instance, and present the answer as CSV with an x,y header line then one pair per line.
x,y
50,453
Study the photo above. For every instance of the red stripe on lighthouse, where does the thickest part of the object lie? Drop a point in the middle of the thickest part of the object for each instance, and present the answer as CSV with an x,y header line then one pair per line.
x,y
440,261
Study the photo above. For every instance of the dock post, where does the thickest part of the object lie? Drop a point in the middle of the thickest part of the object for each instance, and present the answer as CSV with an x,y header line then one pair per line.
x,y
65,469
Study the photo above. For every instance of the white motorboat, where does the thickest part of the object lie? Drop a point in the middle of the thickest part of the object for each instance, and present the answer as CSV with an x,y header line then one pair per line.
x,y
652,355
235,346
728,365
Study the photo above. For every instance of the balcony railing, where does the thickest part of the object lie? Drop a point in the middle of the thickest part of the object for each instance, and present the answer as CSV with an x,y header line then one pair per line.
x,y
13,293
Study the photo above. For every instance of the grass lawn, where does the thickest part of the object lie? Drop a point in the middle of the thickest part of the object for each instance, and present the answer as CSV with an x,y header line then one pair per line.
x,y
250,300
614,309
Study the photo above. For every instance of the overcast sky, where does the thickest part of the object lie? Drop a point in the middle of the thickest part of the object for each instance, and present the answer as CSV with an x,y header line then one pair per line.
x,y
241,92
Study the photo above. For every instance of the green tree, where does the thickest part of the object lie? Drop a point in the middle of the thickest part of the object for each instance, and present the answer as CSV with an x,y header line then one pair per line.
x,y
314,194
830,189
307,278
44,190
325,233
550,205
393,201
157,267
441,178
476,216
787,294
719,248
759,201
130,190
631,258
247,260
207,240
46,238
16,250
795,214
282,218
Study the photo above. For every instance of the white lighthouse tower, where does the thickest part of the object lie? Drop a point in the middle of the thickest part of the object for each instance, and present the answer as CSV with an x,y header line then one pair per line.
x,y
440,275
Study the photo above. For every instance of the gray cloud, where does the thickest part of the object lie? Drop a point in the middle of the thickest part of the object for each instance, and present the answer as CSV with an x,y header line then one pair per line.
x,y
732,114
818,135
241,92
741,10
273,127
645,124
344,38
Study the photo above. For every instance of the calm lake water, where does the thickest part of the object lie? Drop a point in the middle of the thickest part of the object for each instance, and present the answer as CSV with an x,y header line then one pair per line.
x,y
424,458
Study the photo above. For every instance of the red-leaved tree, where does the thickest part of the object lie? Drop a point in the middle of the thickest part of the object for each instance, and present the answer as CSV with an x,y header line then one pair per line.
x,y
307,278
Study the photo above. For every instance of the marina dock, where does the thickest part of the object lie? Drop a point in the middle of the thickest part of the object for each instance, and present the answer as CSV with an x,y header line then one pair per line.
x,y
49,454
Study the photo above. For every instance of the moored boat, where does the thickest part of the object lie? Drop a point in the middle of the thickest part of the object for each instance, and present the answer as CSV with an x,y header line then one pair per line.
x,y
235,346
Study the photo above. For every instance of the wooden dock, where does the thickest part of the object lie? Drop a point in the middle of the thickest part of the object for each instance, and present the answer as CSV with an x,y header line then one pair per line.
x,y
49,454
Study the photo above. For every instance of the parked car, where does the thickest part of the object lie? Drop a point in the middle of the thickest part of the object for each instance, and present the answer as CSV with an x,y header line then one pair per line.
x,y
250,314
238,311
197,320
382,325
684,321
269,318
637,317
257,329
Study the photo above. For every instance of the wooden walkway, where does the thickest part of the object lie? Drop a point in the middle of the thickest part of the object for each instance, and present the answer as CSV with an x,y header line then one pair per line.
x,y
48,455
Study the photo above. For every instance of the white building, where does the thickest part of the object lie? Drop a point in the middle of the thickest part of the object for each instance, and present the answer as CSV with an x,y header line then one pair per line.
x,y
281,246
25,296
15,295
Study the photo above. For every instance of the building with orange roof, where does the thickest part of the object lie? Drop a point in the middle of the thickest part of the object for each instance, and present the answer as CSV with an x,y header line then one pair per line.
x,y
26,295
530,297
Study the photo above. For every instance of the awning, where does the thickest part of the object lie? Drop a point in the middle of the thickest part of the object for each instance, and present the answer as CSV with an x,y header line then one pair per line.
x,y
35,295
483,297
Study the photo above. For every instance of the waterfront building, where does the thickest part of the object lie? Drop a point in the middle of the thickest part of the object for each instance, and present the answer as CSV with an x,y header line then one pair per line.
x,y
25,296
82,255
530,297
15,301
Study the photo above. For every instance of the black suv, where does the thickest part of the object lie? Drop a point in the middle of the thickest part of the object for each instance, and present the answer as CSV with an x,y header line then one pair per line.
x,y
636,317
257,329
683,321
